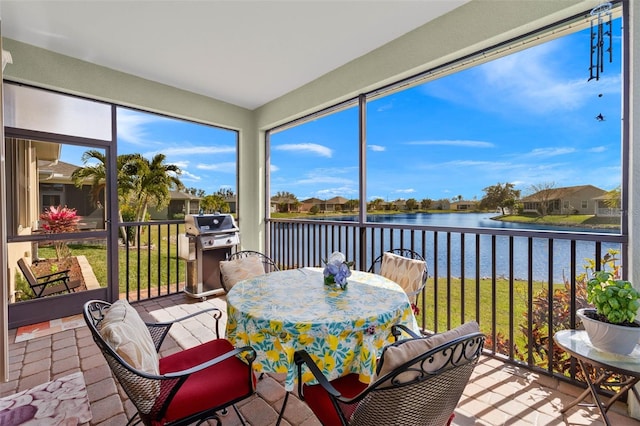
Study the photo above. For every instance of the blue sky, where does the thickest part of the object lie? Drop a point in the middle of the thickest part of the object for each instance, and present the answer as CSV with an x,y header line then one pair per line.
x,y
206,155
528,118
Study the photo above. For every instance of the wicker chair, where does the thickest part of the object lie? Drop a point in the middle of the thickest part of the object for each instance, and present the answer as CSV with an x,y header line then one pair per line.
x,y
230,275
413,285
192,385
414,388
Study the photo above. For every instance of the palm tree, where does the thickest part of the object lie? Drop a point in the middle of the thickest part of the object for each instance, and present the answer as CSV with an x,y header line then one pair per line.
x,y
143,181
152,182
96,173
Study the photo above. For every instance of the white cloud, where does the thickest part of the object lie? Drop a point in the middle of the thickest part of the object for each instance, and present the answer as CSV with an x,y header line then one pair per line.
x,y
182,164
273,168
534,80
549,152
488,165
131,126
597,149
193,150
323,180
227,167
376,148
314,148
465,143
189,177
385,107
343,191
405,191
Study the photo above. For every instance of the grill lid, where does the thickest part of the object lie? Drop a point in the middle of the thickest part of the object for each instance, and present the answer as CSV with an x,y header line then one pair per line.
x,y
209,224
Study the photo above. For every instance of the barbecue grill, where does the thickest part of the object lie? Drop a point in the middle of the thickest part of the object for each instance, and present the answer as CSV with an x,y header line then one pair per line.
x,y
208,240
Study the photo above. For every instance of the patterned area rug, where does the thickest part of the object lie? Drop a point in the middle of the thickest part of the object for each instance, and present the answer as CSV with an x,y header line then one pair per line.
x,y
48,327
62,402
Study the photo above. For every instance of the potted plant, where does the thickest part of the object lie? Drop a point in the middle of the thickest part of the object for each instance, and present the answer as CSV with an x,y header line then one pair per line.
x,y
611,325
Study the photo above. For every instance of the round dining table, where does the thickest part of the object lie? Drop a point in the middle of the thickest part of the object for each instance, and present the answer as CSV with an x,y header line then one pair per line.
x,y
343,330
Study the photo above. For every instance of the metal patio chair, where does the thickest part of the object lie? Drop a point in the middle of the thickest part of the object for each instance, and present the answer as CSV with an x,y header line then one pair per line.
x,y
419,382
243,265
46,285
190,386
411,274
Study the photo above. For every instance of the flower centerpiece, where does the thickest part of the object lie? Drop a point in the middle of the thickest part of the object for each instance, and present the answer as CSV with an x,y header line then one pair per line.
x,y
337,270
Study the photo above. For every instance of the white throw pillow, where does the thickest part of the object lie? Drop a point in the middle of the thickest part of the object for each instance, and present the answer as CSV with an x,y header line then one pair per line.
x,y
123,329
240,269
396,355
406,272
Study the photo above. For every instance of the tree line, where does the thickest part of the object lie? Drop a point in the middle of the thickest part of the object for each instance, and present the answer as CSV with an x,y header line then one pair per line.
x,y
503,196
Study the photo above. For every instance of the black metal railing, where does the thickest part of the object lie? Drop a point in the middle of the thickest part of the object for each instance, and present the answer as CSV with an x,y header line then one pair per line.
x,y
520,285
148,257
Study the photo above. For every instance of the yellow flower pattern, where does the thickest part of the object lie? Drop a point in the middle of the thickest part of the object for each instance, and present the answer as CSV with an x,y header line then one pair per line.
x,y
344,330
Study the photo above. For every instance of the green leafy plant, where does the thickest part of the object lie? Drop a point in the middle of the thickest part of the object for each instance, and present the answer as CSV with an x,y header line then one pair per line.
x,y
614,299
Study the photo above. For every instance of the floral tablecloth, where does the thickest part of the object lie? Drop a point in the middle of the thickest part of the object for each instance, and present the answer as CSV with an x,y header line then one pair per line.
x,y
343,330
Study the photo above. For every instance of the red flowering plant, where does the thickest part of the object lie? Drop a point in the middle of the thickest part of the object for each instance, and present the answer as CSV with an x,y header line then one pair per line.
x,y
57,220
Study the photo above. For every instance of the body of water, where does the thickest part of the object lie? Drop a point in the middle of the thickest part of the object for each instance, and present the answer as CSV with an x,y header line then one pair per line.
x,y
540,259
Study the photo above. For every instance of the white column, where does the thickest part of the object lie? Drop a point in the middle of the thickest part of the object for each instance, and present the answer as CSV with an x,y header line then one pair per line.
x,y
634,172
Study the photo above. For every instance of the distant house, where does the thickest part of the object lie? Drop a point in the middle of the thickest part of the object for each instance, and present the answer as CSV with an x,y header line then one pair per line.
x,y
308,203
335,204
463,205
180,204
604,209
56,188
232,201
284,204
580,199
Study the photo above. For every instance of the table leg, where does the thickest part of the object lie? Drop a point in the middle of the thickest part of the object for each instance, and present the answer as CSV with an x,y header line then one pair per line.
x,y
586,392
593,386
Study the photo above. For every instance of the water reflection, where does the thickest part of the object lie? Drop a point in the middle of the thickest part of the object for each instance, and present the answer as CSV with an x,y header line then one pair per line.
x,y
464,246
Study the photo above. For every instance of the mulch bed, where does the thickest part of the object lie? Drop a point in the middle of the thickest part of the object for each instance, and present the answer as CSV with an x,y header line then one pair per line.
x,y
49,266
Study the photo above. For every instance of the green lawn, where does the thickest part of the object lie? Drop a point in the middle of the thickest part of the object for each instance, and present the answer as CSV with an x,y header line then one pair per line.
x,y
488,294
583,220
152,268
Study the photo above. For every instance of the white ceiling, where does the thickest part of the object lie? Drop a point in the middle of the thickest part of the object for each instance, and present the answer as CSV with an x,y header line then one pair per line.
x,y
246,53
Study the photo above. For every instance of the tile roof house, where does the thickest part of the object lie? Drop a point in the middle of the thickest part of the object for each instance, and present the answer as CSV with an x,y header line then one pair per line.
x,y
579,199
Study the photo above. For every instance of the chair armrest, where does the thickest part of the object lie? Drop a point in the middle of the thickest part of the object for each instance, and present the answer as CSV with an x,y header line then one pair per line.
x,y
185,373
302,357
397,329
54,276
250,357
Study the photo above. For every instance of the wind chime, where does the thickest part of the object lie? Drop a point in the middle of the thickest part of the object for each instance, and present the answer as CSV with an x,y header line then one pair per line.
x,y
600,30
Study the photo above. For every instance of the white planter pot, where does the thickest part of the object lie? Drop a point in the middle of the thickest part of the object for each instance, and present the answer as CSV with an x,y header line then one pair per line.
x,y
607,337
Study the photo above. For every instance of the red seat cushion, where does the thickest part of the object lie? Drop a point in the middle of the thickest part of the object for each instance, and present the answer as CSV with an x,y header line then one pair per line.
x,y
212,387
318,399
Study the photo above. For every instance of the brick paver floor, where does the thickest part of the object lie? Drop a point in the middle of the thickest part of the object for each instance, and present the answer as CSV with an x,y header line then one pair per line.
x,y
498,393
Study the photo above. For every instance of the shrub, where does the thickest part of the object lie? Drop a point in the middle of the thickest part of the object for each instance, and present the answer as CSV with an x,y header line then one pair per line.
x,y
58,220
561,308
